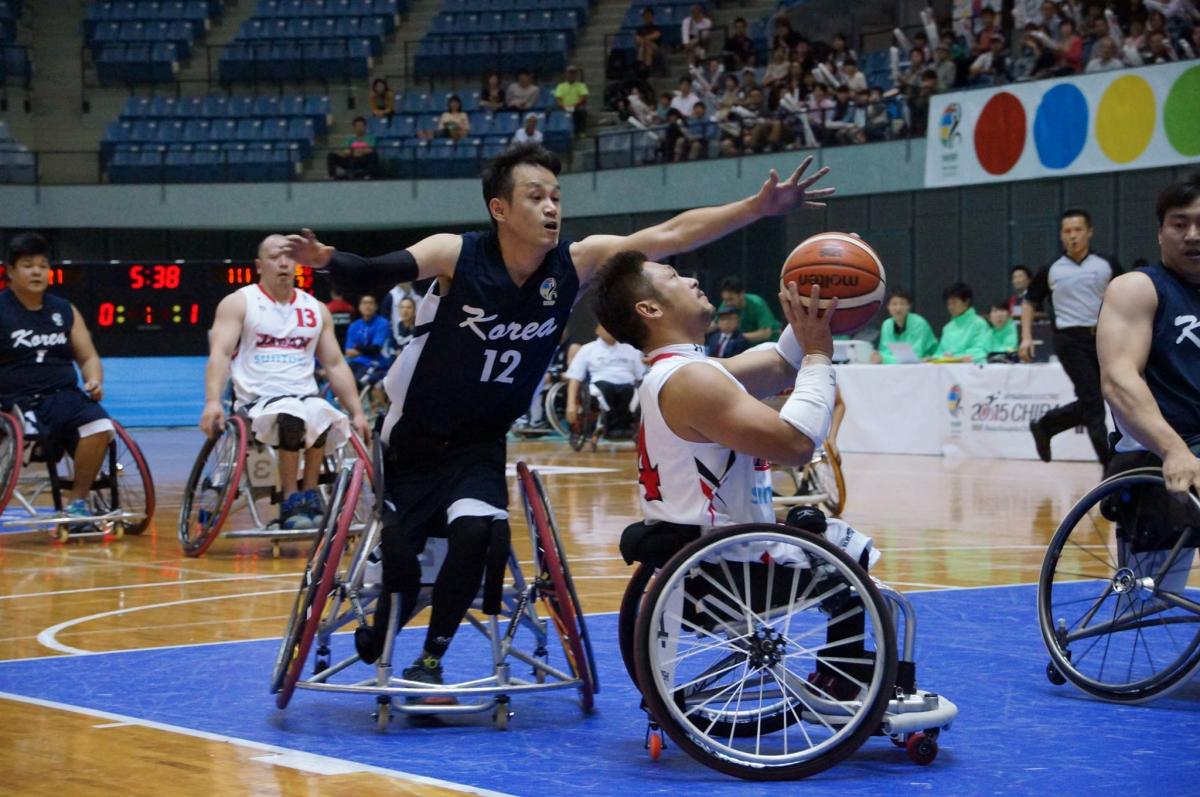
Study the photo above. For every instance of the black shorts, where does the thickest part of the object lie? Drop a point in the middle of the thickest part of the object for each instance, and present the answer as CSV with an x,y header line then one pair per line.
x,y
58,416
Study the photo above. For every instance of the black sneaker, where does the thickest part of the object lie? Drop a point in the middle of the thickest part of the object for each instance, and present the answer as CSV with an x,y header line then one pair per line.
x,y
421,672
1041,440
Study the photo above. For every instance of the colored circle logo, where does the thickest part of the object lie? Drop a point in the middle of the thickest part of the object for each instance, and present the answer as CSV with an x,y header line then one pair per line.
x,y
1060,126
1000,133
948,126
1181,114
1125,118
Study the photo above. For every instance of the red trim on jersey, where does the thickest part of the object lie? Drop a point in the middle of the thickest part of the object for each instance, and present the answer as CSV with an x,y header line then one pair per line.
x,y
291,300
664,356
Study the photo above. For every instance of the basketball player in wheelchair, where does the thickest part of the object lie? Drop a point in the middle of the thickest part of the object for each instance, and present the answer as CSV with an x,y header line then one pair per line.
x,y
725,643
42,338
601,384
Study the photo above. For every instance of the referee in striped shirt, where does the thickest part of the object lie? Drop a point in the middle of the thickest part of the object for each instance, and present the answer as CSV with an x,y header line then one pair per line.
x,y
1075,284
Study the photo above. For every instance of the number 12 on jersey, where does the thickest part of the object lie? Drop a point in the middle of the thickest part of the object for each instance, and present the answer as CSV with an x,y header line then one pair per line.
x,y
509,360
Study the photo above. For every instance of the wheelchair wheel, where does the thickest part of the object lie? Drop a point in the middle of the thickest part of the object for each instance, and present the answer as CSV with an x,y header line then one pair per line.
x,y
315,586
556,589
631,602
765,653
1119,592
555,408
212,487
827,476
131,488
12,447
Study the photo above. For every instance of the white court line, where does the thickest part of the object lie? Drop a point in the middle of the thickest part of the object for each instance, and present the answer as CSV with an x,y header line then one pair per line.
x,y
182,583
288,756
47,637
105,725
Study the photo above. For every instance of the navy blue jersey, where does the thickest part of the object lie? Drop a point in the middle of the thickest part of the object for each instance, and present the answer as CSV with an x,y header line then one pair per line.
x,y
1173,367
35,347
479,352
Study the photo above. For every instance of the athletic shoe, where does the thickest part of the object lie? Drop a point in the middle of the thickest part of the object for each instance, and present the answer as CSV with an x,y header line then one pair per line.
x,y
423,673
79,509
1041,440
294,515
313,506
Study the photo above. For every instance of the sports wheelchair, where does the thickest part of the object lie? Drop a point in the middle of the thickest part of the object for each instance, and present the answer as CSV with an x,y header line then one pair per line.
x,y
235,476
733,646
820,482
519,618
121,499
1119,591
593,423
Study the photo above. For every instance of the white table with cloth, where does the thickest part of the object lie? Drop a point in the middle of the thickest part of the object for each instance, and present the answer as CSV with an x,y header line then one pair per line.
x,y
958,409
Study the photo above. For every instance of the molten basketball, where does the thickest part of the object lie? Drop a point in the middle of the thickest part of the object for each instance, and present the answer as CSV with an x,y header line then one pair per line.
x,y
845,267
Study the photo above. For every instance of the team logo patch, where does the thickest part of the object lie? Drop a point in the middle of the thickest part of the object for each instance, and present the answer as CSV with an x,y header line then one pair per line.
x,y
57,319
549,291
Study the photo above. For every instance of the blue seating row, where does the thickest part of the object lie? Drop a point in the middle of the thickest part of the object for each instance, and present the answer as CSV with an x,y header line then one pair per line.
x,y
121,62
452,24
298,131
435,101
206,163
481,6
537,52
314,107
373,28
198,12
558,127
180,33
294,9
303,60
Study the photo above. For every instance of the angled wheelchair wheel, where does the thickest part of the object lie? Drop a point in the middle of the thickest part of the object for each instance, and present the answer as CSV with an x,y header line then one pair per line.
x,y
212,487
128,486
12,447
555,408
828,479
315,586
631,602
1119,592
765,653
555,588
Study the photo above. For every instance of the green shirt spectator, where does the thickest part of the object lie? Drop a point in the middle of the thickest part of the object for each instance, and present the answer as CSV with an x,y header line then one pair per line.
x,y
967,336
916,332
571,93
755,319
1005,336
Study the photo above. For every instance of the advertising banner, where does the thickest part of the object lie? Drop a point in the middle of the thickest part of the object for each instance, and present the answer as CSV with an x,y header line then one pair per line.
x,y
1102,122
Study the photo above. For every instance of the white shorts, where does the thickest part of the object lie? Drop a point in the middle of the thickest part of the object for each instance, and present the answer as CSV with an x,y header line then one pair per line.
x,y
318,414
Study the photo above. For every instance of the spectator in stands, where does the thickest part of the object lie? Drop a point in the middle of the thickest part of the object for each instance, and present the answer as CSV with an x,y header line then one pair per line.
x,y
1004,331
685,97
694,32
647,38
726,340
696,133
990,68
706,79
840,52
673,138
759,129
663,108
1020,276
782,35
391,308
358,158
614,369
529,133
522,94
778,69
342,313
571,96
918,102
1051,17
1067,48
879,123
903,326
989,30
383,100
366,341
639,110
944,66
846,119
491,96
1160,50
402,328
910,79
820,106
756,321
740,46
453,124
1104,57
853,77
967,336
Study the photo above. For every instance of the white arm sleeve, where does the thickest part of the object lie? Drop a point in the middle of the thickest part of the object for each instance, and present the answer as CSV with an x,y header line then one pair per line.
x,y
789,348
810,407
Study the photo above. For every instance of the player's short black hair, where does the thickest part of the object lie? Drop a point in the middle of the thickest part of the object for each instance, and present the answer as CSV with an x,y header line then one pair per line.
x,y
1069,212
1177,195
959,290
620,285
27,244
497,175
1020,267
899,293
733,284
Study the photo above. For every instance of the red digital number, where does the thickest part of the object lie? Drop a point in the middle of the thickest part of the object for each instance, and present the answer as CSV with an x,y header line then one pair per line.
x,y
304,277
136,279
239,275
105,314
305,317
149,314
165,278
194,316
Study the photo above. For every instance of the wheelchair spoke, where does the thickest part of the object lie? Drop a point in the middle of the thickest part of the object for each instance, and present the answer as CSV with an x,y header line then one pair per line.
x,y
804,701
697,649
749,613
705,677
1085,549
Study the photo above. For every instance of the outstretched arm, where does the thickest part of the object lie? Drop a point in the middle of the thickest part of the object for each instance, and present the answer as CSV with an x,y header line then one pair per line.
x,y
694,228
434,256
1123,337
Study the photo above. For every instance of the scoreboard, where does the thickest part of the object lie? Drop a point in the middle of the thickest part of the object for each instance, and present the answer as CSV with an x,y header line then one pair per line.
x,y
152,309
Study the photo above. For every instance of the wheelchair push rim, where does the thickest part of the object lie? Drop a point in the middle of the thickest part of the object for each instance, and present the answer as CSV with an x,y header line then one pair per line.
x,y
1119,624
315,586
133,482
557,591
784,726
12,448
197,534
831,481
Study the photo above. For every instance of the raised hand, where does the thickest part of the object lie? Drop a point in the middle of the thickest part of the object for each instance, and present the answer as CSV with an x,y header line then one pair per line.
x,y
810,324
776,198
305,248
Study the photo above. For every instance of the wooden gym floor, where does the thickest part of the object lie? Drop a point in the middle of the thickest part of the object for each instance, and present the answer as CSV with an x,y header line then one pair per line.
x,y
940,524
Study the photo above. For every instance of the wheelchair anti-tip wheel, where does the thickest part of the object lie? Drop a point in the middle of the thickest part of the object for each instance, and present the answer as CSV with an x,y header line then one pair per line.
x,y
1119,592
765,653
555,587
316,584
212,487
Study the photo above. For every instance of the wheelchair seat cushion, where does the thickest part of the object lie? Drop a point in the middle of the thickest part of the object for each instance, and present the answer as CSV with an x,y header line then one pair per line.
x,y
1146,515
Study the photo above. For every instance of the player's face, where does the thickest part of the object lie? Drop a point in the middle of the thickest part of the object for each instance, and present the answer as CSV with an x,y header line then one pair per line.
x,y
30,274
534,213
274,266
1075,235
1179,240
680,297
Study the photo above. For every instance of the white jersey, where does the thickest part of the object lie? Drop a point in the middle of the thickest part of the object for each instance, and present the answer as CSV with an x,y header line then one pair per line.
x,y
277,350
698,484
617,363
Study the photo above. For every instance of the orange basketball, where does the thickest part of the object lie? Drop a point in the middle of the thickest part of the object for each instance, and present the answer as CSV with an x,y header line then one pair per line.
x,y
845,267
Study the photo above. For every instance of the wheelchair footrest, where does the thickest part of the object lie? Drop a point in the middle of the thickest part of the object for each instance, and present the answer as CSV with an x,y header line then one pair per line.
x,y
69,520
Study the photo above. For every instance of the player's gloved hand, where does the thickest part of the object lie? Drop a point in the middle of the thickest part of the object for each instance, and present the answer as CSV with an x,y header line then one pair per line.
x,y
305,248
212,419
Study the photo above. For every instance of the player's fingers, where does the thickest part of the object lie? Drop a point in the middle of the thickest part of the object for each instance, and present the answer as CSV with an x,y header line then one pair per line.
x,y
308,234
817,175
819,193
828,317
814,302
